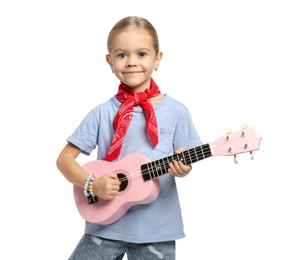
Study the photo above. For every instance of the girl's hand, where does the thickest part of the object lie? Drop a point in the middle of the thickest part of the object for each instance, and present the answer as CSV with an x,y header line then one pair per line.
x,y
177,168
107,186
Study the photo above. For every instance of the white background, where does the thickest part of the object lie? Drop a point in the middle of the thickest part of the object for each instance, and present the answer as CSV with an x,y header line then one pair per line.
x,y
223,59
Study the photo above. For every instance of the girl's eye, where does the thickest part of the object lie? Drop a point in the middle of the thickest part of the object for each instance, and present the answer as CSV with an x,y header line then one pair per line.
x,y
122,55
142,54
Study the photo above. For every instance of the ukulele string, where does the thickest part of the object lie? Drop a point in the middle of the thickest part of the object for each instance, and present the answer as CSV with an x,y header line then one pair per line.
x,y
187,157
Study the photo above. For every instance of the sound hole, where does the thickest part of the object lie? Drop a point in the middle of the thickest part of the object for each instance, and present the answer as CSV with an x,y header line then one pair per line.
x,y
124,181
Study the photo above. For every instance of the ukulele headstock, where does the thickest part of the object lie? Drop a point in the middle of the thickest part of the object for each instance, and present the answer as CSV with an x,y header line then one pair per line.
x,y
242,141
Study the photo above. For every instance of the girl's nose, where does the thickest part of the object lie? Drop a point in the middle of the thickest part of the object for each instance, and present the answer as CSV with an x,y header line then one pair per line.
x,y
131,62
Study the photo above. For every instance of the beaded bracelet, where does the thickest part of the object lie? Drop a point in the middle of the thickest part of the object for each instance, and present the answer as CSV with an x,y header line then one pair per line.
x,y
88,189
87,180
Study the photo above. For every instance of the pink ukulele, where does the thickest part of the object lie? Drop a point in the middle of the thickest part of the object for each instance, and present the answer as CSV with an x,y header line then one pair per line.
x,y
139,176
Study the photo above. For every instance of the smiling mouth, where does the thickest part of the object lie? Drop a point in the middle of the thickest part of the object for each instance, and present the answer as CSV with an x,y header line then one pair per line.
x,y
131,72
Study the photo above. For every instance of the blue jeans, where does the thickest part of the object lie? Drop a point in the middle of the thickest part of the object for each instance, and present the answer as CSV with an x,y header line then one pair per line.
x,y
96,248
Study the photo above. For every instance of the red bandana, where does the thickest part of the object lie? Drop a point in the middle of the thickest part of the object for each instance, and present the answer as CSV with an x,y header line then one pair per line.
x,y
122,120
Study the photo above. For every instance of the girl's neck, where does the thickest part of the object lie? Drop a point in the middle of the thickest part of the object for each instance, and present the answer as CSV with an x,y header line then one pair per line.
x,y
157,99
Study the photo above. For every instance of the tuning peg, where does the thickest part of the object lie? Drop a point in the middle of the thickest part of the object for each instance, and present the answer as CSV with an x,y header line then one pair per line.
x,y
228,131
235,159
251,155
244,126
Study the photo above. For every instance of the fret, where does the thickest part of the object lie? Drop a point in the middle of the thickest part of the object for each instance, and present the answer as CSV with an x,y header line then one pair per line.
x,y
156,169
163,168
199,153
196,154
192,155
184,159
152,171
159,168
178,157
190,160
202,152
167,161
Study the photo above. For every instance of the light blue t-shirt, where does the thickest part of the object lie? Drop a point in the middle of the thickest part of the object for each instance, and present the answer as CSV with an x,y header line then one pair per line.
x,y
160,220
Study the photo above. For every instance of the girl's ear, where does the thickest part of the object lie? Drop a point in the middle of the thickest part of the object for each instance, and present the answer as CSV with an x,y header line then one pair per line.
x,y
108,59
158,59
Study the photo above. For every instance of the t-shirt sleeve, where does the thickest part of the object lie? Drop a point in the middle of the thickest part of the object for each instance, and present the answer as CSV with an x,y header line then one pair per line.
x,y
186,135
85,136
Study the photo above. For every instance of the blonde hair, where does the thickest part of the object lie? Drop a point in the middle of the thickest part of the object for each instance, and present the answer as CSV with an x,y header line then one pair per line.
x,y
132,22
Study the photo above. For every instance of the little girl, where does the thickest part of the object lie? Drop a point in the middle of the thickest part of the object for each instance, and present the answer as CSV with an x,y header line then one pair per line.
x,y
138,119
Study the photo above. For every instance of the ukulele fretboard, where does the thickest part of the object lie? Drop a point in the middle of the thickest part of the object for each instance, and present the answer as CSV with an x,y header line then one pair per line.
x,y
159,167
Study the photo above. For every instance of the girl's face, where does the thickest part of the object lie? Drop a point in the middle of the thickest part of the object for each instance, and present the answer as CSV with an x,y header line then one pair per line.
x,y
132,58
